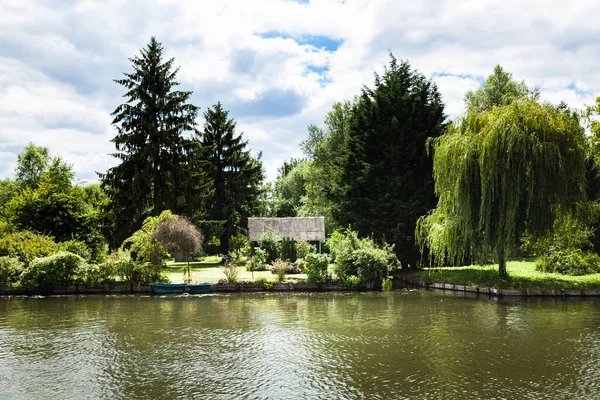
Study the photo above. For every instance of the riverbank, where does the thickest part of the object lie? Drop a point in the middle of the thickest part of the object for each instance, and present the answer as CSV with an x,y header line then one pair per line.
x,y
128,288
523,280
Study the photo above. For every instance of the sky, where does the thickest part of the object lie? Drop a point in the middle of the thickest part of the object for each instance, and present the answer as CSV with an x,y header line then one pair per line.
x,y
277,65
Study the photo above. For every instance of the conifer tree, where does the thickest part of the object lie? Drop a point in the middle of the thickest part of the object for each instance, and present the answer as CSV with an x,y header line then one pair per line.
x,y
154,173
235,173
386,181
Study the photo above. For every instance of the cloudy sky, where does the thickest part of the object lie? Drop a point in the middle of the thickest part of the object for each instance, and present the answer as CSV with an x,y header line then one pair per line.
x,y
277,65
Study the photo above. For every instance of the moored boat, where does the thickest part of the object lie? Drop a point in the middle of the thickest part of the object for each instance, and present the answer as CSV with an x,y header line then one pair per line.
x,y
168,288
198,288
180,288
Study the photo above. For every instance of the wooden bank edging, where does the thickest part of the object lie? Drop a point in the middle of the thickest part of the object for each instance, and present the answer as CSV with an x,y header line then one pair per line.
x,y
410,281
128,288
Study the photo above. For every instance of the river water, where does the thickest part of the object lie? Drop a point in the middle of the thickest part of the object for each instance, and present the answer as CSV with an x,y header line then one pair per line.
x,y
394,345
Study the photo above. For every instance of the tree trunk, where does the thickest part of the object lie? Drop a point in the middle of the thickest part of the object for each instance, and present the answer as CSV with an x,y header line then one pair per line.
x,y
502,266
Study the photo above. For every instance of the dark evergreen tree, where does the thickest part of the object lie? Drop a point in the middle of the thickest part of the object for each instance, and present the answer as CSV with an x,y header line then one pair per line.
x,y
155,173
235,173
386,178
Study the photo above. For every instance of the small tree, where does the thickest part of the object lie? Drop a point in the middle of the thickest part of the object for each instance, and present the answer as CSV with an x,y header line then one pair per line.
x,y
181,233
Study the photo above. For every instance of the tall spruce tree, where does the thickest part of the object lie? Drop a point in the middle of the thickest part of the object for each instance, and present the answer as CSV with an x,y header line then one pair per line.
x,y
235,173
154,174
386,178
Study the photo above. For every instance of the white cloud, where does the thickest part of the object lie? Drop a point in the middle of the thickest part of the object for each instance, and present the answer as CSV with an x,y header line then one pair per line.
x,y
57,61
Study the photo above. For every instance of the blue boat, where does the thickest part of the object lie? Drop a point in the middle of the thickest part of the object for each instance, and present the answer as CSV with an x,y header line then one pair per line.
x,y
198,288
180,288
168,288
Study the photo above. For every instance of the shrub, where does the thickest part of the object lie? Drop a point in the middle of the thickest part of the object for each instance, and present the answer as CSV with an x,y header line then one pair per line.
x,y
288,249
361,257
315,267
258,261
10,270
341,245
60,269
26,246
77,247
269,242
386,284
569,262
280,268
231,271
303,247
371,264
352,281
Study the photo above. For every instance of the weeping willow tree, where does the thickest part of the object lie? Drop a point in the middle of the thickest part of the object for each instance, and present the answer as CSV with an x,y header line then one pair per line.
x,y
500,173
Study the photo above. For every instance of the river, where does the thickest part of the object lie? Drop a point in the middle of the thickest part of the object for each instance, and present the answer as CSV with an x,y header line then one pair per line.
x,y
392,345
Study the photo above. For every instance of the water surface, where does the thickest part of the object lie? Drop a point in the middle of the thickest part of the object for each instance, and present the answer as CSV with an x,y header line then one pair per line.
x,y
408,344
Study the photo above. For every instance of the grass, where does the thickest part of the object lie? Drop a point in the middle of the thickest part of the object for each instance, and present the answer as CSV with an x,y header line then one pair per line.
x,y
522,275
208,269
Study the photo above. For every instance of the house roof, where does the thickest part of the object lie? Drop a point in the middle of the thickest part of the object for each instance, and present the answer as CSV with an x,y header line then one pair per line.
x,y
299,228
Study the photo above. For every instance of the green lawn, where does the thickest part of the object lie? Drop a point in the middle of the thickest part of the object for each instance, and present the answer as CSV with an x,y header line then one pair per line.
x,y
208,269
522,275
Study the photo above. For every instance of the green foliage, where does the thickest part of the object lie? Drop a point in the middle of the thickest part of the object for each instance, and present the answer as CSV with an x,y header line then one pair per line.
x,y
499,89
238,242
288,249
315,267
269,242
77,247
143,246
342,245
235,174
361,257
58,270
386,284
325,149
569,262
386,180
352,281
290,188
501,172
27,245
258,260
155,171
303,247
31,165
10,270
371,264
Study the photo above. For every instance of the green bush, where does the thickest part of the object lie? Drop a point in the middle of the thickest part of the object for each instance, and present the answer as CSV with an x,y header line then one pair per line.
x,y
361,257
315,267
26,246
61,269
341,246
352,281
303,247
386,284
569,262
10,270
372,265
258,261
77,247
269,242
